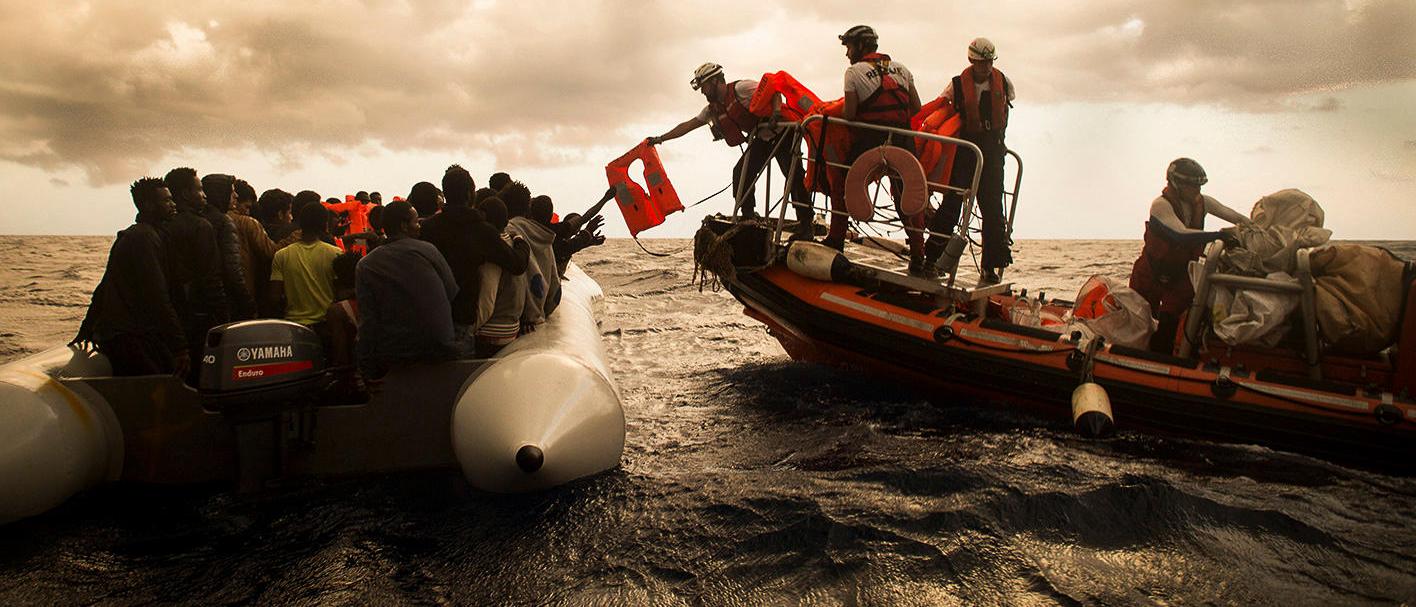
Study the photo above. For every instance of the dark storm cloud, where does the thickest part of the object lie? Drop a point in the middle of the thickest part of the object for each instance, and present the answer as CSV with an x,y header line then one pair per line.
x,y
111,87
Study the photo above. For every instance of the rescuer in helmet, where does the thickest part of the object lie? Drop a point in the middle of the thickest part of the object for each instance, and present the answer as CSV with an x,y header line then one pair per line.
x,y
1175,236
982,96
878,91
731,121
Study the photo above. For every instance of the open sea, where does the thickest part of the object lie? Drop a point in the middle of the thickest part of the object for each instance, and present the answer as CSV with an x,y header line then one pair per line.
x,y
747,479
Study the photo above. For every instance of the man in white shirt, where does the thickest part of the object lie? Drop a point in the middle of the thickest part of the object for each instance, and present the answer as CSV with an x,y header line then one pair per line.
x,y
732,122
982,95
878,91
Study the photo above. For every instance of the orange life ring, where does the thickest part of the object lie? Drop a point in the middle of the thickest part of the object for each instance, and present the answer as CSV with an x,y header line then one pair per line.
x,y
871,166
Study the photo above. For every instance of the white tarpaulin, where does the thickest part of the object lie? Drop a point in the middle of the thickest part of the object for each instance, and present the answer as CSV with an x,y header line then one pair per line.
x,y
1284,222
1253,315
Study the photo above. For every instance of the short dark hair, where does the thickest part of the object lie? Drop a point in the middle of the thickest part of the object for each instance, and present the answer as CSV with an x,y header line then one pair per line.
x,y
333,200
362,196
376,218
272,203
144,192
498,180
395,215
483,194
303,199
218,188
457,186
244,191
517,198
542,209
314,220
179,180
376,198
424,198
344,266
494,210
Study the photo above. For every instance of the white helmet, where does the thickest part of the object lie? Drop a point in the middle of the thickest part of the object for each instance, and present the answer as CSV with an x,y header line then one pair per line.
x,y
982,49
704,73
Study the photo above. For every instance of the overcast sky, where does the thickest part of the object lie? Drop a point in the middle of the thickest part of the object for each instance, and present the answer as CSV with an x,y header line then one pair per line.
x,y
339,96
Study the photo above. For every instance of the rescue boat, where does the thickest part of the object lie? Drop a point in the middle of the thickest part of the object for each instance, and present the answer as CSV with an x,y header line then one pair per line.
x,y
264,412
956,341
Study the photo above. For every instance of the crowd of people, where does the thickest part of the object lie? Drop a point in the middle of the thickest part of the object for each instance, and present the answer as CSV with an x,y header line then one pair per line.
x,y
450,272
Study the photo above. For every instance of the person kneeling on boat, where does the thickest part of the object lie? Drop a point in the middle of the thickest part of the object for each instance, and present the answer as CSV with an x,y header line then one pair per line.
x,y
131,319
1174,237
732,122
882,92
405,290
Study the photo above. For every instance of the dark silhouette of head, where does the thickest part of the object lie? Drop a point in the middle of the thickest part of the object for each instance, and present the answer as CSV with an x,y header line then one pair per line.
x,y
362,196
517,198
152,198
245,194
482,194
273,205
376,198
542,209
457,186
495,211
220,191
344,268
424,198
186,189
399,219
304,198
376,219
498,181
314,221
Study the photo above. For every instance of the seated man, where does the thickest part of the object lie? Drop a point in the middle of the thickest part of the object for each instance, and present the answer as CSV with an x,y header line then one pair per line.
x,y
1175,236
304,272
131,320
405,291
503,305
541,273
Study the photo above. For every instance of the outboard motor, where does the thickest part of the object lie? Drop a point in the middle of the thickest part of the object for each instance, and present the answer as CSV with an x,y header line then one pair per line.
x,y
259,364
265,377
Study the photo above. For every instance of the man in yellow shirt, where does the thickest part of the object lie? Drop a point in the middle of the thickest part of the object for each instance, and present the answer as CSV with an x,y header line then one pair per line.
x,y
304,271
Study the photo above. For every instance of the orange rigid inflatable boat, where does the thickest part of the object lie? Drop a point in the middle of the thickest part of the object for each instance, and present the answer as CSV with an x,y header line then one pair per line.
x,y
954,340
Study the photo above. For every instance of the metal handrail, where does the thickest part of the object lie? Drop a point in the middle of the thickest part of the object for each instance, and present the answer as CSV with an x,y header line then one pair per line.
x,y
1211,275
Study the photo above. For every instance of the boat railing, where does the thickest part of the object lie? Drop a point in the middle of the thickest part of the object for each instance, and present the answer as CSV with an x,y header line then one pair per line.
x,y
1210,276
797,132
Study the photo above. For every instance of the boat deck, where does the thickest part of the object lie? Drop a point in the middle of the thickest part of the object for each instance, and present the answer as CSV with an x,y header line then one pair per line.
x,y
889,260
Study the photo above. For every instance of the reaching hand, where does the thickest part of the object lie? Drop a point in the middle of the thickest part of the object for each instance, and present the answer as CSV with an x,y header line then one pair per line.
x,y
595,223
597,239
654,140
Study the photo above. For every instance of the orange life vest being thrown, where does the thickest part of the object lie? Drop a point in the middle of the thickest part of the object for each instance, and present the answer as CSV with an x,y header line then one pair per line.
x,y
798,101
734,121
890,104
966,101
937,158
642,209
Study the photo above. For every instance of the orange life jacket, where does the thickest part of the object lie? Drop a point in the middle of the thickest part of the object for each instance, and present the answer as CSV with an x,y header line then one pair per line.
x,y
358,213
734,121
966,102
832,145
890,104
798,100
937,158
642,210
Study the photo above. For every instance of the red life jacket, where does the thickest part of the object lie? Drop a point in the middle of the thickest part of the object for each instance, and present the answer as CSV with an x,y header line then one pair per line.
x,y
966,102
937,158
642,210
1161,273
798,100
735,122
889,105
